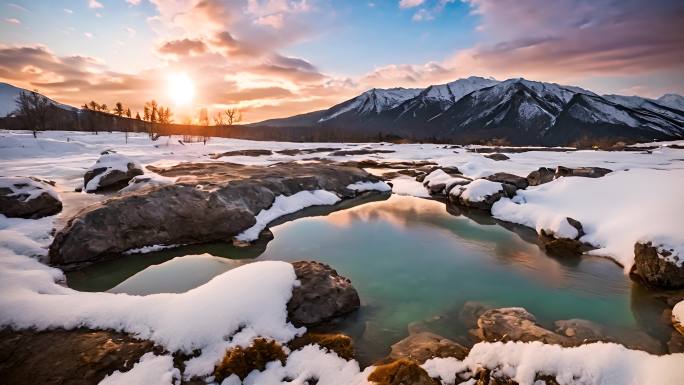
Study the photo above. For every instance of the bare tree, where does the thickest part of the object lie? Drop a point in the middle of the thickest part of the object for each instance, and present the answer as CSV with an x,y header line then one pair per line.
x,y
203,117
33,109
165,115
233,115
218,119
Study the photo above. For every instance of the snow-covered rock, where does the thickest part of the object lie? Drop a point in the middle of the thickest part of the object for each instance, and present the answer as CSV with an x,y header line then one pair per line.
x,y
111,170
480,193
27,198
659,265
440,182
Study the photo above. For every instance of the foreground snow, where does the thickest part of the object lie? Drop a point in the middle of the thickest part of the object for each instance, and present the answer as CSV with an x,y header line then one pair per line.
x,y
150,370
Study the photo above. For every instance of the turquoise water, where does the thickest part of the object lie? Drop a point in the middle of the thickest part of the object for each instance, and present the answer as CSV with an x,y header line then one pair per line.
x,y
412,263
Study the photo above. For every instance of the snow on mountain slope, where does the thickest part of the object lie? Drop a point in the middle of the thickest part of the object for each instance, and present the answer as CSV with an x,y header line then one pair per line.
x,y
437,98
9,95
644,105
672,101
375,101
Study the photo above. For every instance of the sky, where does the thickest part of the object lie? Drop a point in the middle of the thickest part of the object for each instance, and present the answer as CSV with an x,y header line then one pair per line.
x,y
275,58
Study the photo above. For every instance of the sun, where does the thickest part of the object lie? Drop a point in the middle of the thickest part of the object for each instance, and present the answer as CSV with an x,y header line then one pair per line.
x,y
181,88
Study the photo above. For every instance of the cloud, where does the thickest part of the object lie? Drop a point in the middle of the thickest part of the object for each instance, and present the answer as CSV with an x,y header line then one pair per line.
x,y
17,6
410,3
183,47
130,31
88,35
429,13
94,4
422,15
67,10
133,3
275,21
11,20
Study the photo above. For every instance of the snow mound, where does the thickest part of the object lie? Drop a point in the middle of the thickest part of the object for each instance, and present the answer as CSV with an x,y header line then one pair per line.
x,y
150,370
110,162
478,190
29,187
596,364
369,186
616,211
439,176
284,205
405,185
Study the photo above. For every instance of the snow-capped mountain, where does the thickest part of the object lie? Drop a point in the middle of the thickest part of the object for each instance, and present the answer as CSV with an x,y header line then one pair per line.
x,y
9,95
516,111
373,101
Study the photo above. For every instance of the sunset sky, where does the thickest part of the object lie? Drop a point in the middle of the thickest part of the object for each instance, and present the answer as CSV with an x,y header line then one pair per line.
x,y
274,58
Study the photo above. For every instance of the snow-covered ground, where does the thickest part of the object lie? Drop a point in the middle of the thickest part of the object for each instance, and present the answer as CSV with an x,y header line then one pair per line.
x,y
641,200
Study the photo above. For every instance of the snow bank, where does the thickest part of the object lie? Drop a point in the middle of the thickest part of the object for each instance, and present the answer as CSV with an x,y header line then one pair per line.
x,y
112,162
616,211
284,205
251,298
150,370
595,364
369,186
439,176
478,190
27,186
405,185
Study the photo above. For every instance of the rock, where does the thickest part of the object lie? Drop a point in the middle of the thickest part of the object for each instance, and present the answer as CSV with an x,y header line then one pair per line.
x,y
241,153
28,198
424,345
363,151
658,266
401,372
208,202
111,171
322,295
586,172
471,312
497,156
480,194
296,151
241,361
540,176
564,247
515,324
60,356
502,177
337,343
582,331
676,343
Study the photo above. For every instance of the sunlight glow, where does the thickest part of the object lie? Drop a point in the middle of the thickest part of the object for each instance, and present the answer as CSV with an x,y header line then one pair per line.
x,y
181,88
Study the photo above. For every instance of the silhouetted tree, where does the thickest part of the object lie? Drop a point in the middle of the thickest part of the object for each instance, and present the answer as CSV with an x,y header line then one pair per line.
x,y
137,116
218,119
233,115
128,113
146,113
119,109
33,109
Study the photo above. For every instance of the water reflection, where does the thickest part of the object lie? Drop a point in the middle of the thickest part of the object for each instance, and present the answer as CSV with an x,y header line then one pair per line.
x,y
413,263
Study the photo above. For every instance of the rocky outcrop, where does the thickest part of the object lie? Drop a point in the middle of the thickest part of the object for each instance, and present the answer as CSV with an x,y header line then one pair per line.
x,y
481,194
305,151
515,324
337,343
540,176
582,331
111,172
208,202
658,266
421,346
322,295
401,372
562,246
503,177
28,198
497,156
586,172
67,356
241,153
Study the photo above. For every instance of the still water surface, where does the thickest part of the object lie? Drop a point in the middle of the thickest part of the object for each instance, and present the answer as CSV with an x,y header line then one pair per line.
x,y
412,262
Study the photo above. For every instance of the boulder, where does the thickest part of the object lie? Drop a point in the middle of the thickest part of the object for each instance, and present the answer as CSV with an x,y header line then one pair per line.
x,y
423,345
208,202
563,246
540,176
502,177
337,343
658,266
28,198
401,372
515,324
111,172
586,172
497,156
323,294
241,153
582,331
60,356
480,194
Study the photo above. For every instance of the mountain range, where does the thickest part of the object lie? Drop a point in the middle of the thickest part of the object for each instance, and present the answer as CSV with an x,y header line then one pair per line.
x,y
471,110
515,111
